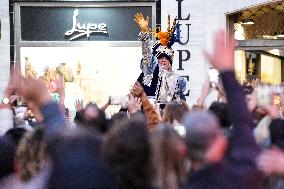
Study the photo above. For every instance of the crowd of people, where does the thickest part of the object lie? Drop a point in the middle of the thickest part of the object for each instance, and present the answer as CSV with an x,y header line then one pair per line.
x,y
233,143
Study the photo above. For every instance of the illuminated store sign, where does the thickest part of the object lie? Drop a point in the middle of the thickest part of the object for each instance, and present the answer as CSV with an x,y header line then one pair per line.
x,y
81,30
45,23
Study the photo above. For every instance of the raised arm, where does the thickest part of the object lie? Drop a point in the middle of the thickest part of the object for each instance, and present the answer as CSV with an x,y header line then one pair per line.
x,y
152,116
204,93
148,62
242,143
34,91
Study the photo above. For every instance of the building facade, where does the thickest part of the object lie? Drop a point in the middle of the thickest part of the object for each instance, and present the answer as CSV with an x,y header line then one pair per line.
x,y
4,45
199,20
202,18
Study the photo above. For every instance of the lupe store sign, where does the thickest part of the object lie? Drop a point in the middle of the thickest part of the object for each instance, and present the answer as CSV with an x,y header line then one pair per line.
x,y
42,23
80,30
183,52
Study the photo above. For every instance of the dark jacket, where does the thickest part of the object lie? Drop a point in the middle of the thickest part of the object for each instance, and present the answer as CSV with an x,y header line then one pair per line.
x,y
238,169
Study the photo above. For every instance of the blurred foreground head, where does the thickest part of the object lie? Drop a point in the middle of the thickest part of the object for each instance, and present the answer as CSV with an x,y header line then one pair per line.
x,y
221,111
204,139
127,150
169,155
92,118
77,162
175,111
31,154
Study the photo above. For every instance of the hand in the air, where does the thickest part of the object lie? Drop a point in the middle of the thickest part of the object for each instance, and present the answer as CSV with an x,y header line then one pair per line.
x,y
138,90
34,90
141,22
222,57
79,105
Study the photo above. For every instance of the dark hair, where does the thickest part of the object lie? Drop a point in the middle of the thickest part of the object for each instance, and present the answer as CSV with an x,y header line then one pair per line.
x,y
15,135
127,150
119,116
166,56
221,111
7,155
99,123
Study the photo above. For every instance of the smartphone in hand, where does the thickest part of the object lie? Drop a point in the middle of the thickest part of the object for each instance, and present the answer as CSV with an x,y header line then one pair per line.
x,y
119,100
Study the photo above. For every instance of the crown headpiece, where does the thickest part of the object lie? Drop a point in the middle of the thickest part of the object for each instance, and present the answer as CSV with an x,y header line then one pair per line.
x,y
167,39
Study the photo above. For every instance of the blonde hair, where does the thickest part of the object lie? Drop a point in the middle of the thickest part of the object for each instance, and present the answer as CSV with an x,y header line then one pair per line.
x,y
30,154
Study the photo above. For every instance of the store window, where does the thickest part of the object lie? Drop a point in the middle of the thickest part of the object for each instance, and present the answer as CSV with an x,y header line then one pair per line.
x,y
262,22
260,50
93,45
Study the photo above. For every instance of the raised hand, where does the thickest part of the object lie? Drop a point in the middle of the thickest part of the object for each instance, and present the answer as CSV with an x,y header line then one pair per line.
x,y
78,105
138,90
141,22
34,91
222,57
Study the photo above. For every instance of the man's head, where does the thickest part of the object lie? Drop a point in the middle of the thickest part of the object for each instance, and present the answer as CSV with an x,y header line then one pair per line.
x,y
91,112
204,139
165,62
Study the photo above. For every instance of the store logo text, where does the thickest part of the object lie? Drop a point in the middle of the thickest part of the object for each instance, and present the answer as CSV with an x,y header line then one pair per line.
x,y
85,29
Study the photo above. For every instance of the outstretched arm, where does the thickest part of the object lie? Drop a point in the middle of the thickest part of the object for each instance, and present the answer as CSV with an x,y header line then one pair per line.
x,y
36,92
153,117
204,93
142,23
148,62
242,143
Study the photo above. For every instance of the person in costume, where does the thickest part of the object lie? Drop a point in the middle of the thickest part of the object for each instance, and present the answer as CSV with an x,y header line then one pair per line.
x,y
157,77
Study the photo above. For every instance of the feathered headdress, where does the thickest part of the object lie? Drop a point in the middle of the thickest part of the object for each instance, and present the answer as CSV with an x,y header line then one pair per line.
x,y
166,40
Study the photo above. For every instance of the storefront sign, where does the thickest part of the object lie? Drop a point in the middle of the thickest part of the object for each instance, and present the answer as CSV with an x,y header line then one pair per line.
x,y
45,23
183,55
80,30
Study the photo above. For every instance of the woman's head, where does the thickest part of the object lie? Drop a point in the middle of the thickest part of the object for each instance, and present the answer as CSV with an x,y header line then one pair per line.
x,y
169,155
175,110
31,154
127,150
